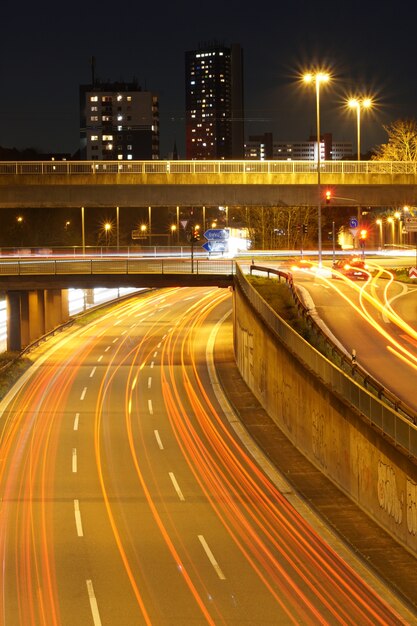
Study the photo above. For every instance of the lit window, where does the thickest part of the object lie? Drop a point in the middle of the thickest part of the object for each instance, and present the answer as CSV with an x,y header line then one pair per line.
x,y
119,118
107,137
94,108
120,157
94,137
129,98
129,156
129,147
94,118
94,99
119,97
119,128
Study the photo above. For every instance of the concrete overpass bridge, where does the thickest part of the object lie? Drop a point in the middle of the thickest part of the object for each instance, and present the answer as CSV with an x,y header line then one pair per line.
x,y
70,184
37,289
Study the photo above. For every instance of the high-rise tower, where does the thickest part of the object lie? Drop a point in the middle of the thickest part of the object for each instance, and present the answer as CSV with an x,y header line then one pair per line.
x,y
214,102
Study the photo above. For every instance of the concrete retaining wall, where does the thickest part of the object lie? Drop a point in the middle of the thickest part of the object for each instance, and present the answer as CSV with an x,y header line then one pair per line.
x,y
333,436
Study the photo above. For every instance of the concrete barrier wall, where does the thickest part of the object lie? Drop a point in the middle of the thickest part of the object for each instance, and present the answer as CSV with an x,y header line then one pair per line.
x,y
327,430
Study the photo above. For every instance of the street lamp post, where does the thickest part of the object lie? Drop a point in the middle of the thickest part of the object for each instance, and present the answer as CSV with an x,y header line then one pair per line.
x,y
358,104
379,222
318,78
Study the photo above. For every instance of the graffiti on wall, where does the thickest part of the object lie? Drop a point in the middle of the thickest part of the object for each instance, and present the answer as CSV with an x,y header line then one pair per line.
x,y
388,497
411,507
318,440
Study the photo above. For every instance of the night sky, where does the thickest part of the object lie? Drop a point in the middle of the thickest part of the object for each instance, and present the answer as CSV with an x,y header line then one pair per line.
x,y
46,51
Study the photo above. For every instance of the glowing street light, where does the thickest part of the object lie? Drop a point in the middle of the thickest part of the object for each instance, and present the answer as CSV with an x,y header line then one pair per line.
x,y
358,104
317,78
107,229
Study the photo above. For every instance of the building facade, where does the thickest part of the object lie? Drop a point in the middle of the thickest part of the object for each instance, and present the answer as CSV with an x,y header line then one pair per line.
x,y
214,102
263,148
118,121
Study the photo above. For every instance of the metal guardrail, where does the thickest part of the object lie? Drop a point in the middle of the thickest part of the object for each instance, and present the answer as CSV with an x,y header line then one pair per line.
x,y
397,423
205,167
121,266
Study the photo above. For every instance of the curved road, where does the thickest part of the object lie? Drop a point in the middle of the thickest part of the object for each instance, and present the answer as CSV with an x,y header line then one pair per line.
x,y
127,498
364,317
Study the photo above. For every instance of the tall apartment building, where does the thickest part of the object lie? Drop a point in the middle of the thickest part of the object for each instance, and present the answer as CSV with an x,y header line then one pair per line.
x,y
118,121
214,102
263,148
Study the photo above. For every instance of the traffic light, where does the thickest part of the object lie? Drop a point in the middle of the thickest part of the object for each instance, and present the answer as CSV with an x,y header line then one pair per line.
x,y
362,238
328,196
195,235
305,229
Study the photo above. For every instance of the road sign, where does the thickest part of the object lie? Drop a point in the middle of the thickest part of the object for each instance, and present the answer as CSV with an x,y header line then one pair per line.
x,y
354,231
410,224
215,246
353,222
216,234
412,272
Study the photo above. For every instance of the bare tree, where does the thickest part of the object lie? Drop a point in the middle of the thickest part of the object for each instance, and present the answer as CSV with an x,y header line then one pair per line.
x,y
280,228
402,142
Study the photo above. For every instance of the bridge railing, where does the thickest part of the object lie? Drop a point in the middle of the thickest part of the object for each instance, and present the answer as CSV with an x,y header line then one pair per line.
x,y
129,265
398,428
205,167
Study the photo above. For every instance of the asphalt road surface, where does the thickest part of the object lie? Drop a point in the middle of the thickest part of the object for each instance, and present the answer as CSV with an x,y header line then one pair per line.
x,y
127,497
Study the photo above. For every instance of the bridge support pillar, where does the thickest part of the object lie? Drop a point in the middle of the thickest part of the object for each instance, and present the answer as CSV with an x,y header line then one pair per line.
x,y
14,320
56,308
31,314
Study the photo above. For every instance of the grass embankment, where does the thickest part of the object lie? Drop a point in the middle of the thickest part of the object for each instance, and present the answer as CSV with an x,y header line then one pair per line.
x,y
12,366
280,299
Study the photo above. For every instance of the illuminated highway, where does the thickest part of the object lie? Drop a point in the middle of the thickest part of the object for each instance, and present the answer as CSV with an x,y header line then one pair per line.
x,y
128,499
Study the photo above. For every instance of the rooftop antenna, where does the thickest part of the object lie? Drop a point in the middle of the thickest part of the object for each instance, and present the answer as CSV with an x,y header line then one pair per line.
x,y
93,70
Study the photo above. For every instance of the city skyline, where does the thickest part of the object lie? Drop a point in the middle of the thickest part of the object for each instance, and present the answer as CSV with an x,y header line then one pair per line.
x,y
46,56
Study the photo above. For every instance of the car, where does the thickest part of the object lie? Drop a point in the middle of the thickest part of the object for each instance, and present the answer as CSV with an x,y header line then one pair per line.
x,y
352,267
303,264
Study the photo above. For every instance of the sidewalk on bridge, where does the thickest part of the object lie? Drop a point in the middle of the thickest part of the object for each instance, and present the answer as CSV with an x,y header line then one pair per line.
x,y
375,547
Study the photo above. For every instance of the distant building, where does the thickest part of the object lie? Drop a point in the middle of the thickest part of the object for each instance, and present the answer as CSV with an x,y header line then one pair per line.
x,y
118,121
259,147
263,148
214,102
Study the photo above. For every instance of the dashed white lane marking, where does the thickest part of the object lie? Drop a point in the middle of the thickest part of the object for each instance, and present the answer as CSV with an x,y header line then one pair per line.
x,y
149,382
155,354
93,371
116,339
74,460
152,364
78,522
99,358
176,486
108,348
93,603
159,345
116,323
76,420
158,440
84,391
124,332
211,558
190,298
150,407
